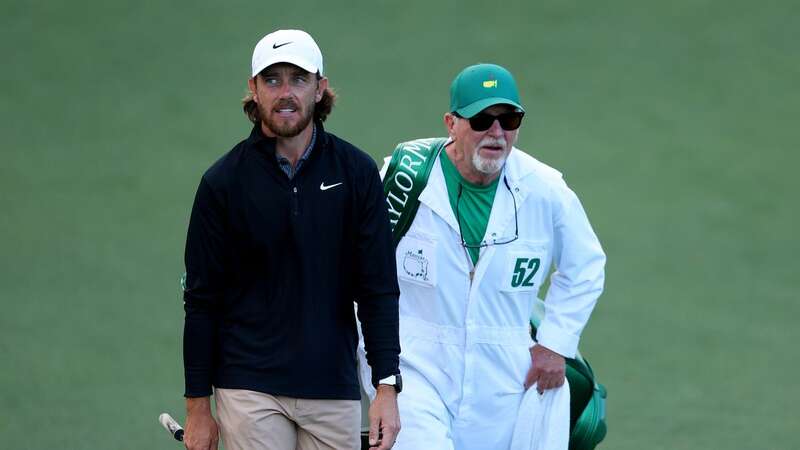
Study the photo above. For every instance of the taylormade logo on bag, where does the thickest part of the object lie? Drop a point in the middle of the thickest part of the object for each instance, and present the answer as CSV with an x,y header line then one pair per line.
x,y
403,179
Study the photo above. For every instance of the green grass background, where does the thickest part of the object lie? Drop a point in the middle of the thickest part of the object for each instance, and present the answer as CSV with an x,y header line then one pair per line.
x,y
676,122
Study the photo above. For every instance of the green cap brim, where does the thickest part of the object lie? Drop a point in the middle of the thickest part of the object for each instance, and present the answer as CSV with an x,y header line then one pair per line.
x,y
470,110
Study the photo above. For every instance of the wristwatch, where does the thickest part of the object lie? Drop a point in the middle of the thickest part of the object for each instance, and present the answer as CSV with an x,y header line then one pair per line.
x,y
393,380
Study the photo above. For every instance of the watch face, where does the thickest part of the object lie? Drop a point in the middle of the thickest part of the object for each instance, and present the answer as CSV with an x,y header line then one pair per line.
x,y
393,380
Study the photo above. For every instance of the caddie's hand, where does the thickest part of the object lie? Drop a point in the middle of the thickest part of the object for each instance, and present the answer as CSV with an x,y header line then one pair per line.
x,y
384,419
547,369
201,431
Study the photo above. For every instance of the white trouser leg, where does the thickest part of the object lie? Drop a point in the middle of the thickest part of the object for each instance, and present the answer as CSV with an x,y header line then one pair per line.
x,y
424,419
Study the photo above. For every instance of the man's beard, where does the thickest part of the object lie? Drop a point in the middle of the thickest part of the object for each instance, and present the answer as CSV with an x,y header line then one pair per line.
x,y
286,129
489,166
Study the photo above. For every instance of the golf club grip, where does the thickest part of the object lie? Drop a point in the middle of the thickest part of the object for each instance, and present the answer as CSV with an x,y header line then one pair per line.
x,y
172,426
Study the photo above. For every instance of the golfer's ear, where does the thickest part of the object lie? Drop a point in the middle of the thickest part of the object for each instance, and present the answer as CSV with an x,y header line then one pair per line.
x,y
321,86
251,84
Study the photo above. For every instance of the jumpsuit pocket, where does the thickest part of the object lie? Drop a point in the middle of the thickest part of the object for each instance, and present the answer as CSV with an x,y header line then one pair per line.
x,y
505,368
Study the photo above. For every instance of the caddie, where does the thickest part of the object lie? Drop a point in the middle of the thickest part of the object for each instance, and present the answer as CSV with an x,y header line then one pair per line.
x,y
489,225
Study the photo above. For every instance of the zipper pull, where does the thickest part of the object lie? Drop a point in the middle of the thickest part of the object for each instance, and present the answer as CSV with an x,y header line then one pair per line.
x,y
295,206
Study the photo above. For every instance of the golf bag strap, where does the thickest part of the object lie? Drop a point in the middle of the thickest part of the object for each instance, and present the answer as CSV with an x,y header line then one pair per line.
x,y
406,177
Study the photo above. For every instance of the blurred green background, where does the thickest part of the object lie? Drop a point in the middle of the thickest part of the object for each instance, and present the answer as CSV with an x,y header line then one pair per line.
x,y
676,122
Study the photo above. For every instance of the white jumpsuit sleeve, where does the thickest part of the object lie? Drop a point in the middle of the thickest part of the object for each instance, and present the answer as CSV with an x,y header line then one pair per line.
x,y
578,280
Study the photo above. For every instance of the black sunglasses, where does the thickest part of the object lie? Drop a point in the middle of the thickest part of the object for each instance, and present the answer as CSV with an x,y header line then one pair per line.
x,y
483,121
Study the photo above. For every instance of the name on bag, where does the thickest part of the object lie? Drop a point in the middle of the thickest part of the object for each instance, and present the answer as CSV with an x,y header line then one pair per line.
x,y
405,177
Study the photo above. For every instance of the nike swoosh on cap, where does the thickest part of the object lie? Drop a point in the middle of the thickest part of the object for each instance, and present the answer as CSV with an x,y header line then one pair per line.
x,y
280,45
322,186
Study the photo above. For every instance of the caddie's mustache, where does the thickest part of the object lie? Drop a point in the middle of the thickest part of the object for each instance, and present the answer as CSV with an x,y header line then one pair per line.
x,y
493,142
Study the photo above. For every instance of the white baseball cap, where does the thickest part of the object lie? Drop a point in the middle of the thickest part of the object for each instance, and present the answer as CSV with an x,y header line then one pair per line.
x,y
287,46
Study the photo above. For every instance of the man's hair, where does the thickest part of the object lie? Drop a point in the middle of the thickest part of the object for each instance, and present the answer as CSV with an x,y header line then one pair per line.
x,y
321,109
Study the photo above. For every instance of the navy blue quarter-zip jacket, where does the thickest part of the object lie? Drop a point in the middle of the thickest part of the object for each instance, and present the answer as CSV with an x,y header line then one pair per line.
x,y
273,266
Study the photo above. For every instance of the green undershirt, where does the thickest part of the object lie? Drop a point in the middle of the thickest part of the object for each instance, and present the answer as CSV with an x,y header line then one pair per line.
x,y
474,207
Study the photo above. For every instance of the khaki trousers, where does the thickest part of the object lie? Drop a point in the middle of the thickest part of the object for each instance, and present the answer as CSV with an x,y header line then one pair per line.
x,y
251,420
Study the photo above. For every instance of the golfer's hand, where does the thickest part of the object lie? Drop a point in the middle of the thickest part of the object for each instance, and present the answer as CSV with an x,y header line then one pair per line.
x,y
384,419
547,369
201,431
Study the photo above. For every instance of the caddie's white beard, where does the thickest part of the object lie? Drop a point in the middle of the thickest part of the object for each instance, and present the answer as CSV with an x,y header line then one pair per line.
x,y
489,166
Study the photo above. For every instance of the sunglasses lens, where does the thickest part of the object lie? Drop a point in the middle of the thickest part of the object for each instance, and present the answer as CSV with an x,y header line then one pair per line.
x,y
481,122
508,121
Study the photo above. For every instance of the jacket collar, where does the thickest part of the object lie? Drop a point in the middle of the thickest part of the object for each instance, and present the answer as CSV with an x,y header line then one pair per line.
x,y
434,196
267,144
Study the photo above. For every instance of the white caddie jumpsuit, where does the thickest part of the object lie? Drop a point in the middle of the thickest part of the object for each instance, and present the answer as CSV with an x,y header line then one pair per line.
x,y
464,330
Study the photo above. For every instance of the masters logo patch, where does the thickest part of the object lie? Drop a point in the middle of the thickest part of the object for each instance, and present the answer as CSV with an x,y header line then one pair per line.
x,y
415,265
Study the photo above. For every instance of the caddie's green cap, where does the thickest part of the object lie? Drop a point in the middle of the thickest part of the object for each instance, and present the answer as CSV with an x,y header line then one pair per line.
x,y
481,86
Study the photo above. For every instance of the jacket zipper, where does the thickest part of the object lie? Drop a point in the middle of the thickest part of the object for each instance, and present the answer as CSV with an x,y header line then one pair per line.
x,y
471,267
295,208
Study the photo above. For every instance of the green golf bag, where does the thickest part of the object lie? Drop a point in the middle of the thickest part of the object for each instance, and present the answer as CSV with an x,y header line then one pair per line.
x,y
405,178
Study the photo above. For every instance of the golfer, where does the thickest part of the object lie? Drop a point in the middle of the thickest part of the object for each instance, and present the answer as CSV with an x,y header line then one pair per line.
x,y
287,230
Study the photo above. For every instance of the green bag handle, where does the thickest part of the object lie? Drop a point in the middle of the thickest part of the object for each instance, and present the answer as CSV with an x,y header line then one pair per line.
x,y
590,427
406,177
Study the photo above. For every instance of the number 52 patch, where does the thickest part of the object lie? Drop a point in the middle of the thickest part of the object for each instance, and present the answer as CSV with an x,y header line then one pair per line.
x,y
523,271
